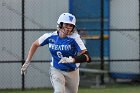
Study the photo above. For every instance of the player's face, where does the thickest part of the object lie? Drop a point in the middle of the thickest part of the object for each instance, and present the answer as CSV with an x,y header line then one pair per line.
x,y
66,30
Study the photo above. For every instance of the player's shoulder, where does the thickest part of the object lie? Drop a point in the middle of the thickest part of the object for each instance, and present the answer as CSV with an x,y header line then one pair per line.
x,y
49,34
74,35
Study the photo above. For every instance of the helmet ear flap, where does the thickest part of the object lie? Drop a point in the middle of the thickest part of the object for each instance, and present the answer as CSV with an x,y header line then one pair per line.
x,y
61,25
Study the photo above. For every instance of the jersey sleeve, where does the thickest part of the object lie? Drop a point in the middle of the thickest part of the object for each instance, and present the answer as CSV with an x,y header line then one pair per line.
x,y
43,40
79,43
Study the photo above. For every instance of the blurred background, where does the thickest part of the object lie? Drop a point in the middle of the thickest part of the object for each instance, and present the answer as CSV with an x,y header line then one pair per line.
x,y
109,29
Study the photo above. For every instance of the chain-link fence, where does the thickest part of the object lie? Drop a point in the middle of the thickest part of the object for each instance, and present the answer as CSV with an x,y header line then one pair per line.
x,y
109,29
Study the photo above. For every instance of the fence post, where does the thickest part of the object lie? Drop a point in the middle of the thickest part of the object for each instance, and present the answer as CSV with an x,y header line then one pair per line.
x,y
23,30
102,40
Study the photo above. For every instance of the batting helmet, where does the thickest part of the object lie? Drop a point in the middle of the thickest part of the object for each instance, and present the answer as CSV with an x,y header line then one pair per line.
x,y
66,18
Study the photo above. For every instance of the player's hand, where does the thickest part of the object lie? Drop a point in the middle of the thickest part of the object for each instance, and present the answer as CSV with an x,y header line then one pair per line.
x,y
66,60
24,67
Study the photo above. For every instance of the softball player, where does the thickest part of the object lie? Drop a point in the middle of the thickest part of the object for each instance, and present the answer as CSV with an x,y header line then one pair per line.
x,y
67,50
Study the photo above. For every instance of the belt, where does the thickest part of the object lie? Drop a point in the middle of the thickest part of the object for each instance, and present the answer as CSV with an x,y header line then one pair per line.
x,y
67,70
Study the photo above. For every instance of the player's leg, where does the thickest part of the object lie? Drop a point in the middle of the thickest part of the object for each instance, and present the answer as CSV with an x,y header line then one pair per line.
x,y
72,81
57,80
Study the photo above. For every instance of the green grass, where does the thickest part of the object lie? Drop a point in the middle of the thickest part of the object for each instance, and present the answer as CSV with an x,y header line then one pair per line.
x,y
117,88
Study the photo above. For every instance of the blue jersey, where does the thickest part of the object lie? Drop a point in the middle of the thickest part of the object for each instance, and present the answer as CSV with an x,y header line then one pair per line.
x,y
62,47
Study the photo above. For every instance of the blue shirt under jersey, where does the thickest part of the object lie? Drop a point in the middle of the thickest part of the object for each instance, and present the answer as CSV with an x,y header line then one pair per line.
x,y
62,47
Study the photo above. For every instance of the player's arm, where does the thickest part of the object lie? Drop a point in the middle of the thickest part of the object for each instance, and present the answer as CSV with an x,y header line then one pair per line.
x,y
83,57
31,52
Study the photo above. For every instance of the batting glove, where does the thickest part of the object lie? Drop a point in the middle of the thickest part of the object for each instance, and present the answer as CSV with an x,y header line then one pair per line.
x,y
24,67
66,60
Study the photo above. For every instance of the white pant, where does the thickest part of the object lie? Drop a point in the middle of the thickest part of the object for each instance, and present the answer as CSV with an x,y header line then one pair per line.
x,y
64,82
